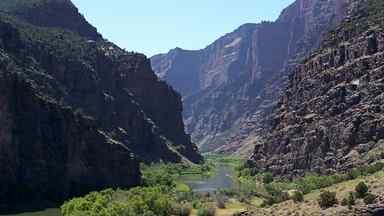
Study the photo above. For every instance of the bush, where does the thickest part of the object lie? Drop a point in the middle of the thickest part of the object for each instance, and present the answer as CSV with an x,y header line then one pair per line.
x,y
354,173
159,174
314,182
365,170
297,196
277,195
373,168
344,201
349,201
196,204
206,211
327,199
151,201
267,178
361,190
181,209
369,198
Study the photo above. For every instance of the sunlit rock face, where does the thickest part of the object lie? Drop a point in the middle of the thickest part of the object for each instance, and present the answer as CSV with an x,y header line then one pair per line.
x,y
230,86
330,117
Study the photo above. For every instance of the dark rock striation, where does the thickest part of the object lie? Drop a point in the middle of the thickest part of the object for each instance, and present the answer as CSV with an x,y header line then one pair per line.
x,y
77,112
234,82
331,115
50,153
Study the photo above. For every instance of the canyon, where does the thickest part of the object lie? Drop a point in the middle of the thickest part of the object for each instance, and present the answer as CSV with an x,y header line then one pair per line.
x,y
77,107
231,85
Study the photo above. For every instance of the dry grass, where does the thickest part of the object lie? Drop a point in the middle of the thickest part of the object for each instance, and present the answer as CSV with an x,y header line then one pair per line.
x,y
310,206
231,207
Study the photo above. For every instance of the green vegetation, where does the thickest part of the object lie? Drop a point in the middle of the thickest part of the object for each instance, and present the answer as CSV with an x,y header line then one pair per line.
x,y
361,190
277,191
369,198
162,193
165,192
349,201
267,178
171,175
15,5
54,41
182,209
230,161
297,196
148,201
327,199
206,211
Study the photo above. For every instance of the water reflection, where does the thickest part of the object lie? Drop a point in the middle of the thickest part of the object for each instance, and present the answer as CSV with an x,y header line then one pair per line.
x,y
221,180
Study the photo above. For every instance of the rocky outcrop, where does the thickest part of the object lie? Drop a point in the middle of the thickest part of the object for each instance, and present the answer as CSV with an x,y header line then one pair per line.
x,y
52,13
234,82
49,152
331,115
80,109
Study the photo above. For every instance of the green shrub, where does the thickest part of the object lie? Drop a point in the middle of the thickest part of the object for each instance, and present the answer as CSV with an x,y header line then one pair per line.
x,y
349,201
196,204
243,171
206,211
297,196
369,198
181,209
267,178
327,199
158,175
277,193
314,182
354,173
361,190
344,201
228,192
365,170
151,201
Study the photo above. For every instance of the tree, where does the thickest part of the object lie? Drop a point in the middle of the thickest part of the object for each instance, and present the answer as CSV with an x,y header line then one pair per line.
x,y
361,190
327,199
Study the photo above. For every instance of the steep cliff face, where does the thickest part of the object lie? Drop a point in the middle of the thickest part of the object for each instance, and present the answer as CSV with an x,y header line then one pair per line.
x,y
331,116
50,153
81,109
237,79
180,68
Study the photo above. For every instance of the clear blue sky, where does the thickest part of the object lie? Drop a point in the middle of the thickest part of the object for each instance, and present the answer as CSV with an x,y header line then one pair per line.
x,y
155,26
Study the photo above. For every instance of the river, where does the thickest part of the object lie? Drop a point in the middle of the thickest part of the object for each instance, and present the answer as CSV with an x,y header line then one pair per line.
x,y
221,180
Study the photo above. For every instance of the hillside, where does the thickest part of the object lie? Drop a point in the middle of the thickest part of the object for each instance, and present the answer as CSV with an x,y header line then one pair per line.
x,y
331,116
229,86
77,107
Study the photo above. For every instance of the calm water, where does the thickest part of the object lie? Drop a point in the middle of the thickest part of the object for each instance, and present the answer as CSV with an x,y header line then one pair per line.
x,y
221,180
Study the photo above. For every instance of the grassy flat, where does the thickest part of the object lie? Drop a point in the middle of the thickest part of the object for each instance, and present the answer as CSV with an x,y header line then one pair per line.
x,y
310,206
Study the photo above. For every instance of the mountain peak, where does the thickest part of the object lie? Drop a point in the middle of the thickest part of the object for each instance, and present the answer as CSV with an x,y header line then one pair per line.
x,y
51,13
